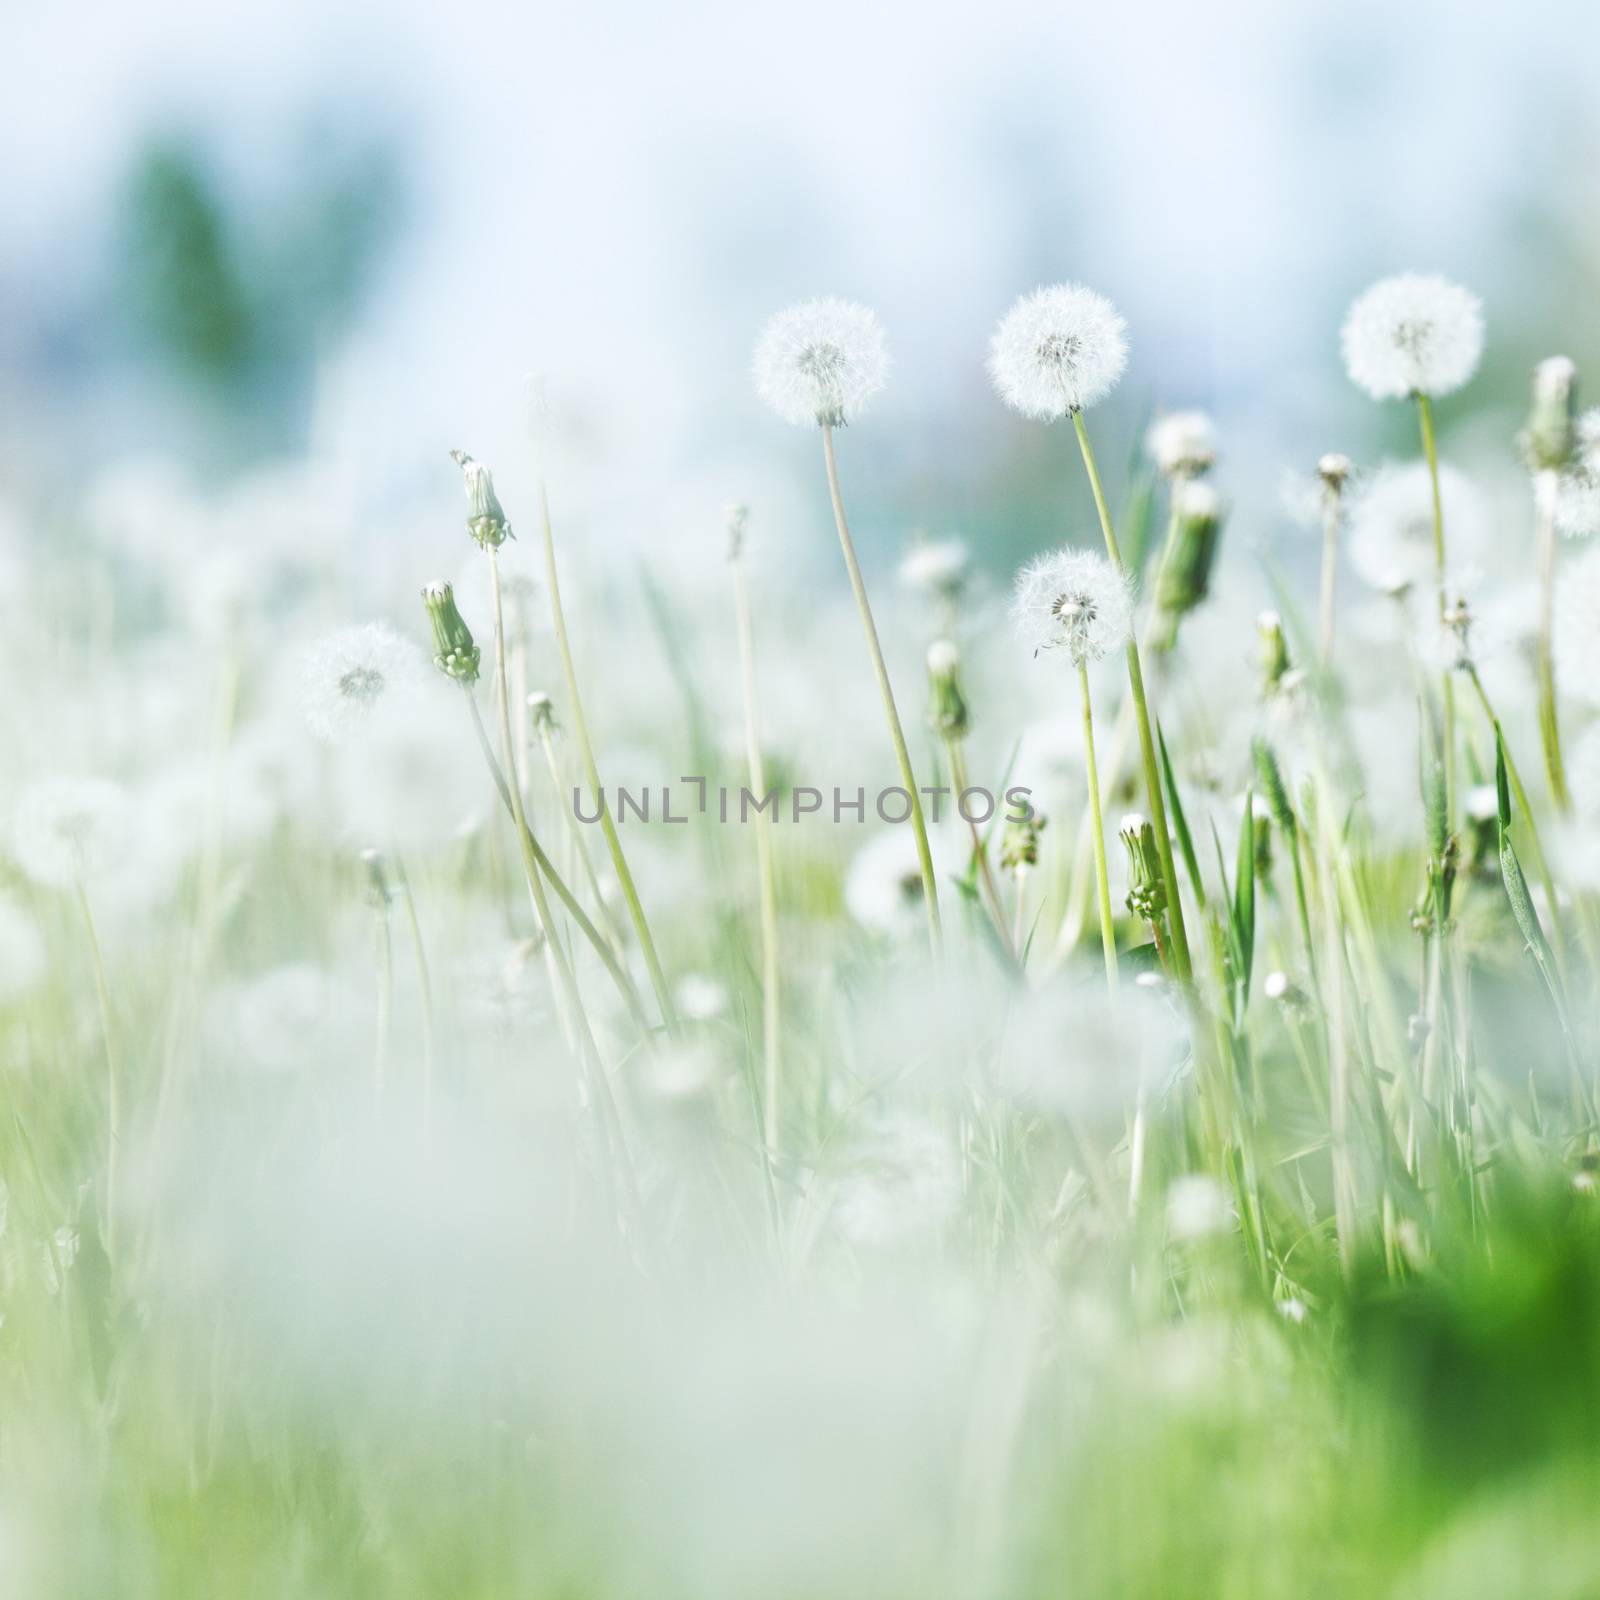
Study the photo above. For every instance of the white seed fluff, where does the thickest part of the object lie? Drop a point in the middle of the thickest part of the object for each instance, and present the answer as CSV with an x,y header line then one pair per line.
x,y
1391,526
820,361
1058,350
354,675
1181,443
1577,510
1073,600
71,830
939,567
1412,334
1577,627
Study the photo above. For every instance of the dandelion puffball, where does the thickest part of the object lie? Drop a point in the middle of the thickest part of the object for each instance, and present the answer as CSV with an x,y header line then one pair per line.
x,y
1058,350
1076,600
820,361
355,674
1182,444
70,830
1391,526
1412,335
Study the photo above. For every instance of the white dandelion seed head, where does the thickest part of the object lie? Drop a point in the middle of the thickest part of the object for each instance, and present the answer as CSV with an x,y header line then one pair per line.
x,y
883,885
1577,507
1073,600
1554,377
1197,502
1276,985
1182,442
938,567
1391,526
1577,627
1412,334
820,361
357,676
70,830
701,999
1198,1207
1058,350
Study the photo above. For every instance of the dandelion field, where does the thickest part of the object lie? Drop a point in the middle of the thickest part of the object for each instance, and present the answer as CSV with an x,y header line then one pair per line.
x,y
529,1078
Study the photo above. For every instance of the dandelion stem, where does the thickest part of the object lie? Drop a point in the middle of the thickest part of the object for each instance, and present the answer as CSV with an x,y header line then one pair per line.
x,y
1147,748
1545,486
1108,932
384,954
567,983
988,888
1330,577
419,955
930,890
619,862
108,1035
765,864
608,959
1430,450
558,780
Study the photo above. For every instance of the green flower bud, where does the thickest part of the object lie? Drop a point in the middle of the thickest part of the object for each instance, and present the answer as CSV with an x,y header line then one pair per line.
x,y
947,709
1147,888
1019,844
1274,652
486,518
542,710
1196,530
454,653
1550,436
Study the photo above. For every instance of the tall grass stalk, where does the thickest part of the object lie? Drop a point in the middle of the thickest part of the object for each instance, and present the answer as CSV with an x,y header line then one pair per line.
x,y
619,861
766,865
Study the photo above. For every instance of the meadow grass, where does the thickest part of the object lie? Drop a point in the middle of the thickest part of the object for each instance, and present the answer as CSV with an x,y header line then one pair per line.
x,y
365,1233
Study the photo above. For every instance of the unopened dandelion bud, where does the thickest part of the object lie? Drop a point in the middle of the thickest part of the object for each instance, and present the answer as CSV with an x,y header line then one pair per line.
x,y
1147,889
1551,434
1182,444
1197,527
947,707
1334,470
1274,652
377,876
454,653
486,518
1019,844
738,517
542,711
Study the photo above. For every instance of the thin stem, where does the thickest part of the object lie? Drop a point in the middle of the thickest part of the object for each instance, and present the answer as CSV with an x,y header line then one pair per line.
x,y
608,959
1147,747
1102,879
1545,487
1331,516
384,951
619,862
930,890
1430,449
567,984
766,867
102,992
419,956
558,780
989,889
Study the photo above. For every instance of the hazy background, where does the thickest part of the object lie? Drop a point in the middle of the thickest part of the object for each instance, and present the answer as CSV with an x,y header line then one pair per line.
x,y
353,229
